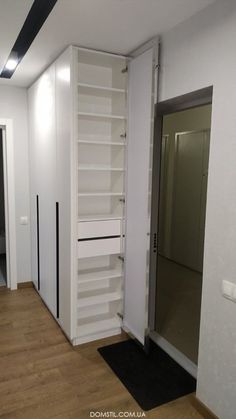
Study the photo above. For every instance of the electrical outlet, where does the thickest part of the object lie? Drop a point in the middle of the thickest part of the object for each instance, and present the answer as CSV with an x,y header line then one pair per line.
x,y
24,220
229,290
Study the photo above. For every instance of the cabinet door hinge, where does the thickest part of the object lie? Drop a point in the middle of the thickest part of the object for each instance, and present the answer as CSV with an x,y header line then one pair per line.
x,y
121,258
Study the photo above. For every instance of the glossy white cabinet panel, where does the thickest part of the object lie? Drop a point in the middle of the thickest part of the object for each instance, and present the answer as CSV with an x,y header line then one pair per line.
x,y
43,172
64,111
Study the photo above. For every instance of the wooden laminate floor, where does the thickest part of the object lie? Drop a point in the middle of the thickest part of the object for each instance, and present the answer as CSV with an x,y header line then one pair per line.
x,y
43,376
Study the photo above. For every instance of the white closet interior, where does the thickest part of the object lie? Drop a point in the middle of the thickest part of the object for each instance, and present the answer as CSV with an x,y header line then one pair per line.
x,y
101,110
85,97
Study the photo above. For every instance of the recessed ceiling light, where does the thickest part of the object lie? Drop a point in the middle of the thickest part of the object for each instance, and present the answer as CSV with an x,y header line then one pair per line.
x,y
35,19
11,64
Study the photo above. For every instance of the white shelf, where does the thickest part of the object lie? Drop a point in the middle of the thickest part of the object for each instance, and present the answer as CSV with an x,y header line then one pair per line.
x,y
110,143
101,88
100,115
97,168
100,298
101,119
96,275
87,194
98,326
100,58
99,217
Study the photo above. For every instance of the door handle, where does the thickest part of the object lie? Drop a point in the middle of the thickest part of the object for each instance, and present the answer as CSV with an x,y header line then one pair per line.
x,y
57,260
38,240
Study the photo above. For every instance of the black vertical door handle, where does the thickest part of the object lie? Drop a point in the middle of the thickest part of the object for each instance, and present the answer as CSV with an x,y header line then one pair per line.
x,y
57,260
38,240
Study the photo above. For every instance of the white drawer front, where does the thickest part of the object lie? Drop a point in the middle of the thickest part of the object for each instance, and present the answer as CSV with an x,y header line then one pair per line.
x,y
89,229
89,248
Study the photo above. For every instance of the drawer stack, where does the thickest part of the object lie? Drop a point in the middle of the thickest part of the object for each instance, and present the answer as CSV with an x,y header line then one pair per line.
x,y
99,238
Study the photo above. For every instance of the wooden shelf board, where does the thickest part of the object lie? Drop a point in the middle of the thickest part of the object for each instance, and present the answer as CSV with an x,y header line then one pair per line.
x,y
100,298
101,88
87,194
109,143
98,326
99,217
100,115
93,276
90,167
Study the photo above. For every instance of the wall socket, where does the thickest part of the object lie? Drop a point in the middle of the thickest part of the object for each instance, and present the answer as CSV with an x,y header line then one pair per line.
x,y
229,290
24,220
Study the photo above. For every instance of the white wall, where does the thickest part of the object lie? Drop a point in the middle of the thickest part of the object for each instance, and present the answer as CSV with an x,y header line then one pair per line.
x,y
13,105
196,54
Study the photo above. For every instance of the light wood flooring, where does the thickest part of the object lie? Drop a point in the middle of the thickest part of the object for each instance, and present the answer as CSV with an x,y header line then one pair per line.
x,y
43,376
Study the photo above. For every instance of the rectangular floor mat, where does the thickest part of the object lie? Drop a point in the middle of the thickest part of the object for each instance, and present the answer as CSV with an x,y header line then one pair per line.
x,y
152,379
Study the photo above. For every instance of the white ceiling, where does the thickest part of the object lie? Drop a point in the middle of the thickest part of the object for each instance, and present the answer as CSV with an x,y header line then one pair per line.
x,y
117,26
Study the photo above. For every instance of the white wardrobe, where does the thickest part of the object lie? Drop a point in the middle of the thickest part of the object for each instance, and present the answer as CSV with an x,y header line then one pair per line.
x,y
91,124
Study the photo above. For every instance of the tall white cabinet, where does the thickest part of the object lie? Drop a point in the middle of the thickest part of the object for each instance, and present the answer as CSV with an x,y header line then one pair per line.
x,y
79,151
43,185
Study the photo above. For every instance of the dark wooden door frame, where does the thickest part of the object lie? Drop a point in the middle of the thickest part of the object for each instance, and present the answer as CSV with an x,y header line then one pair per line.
x,y
180,103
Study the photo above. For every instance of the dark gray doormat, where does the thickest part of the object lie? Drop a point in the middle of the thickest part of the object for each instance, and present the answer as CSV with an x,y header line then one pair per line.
x,y
152,379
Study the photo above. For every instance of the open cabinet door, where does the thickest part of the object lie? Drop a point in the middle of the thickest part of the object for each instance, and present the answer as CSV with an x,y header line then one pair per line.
x,y
141,85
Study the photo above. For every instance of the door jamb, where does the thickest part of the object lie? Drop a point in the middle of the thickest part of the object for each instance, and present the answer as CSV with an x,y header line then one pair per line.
x,y
6,125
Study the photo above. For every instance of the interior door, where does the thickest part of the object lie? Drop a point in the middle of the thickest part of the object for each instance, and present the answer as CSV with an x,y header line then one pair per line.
x,y
139,157
189,198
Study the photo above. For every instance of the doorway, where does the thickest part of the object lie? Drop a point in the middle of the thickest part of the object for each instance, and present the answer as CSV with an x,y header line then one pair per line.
x,y
3,248
179,208
8,262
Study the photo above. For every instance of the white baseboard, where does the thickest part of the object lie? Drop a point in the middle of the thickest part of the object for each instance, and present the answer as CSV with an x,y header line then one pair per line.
x,y
96,336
